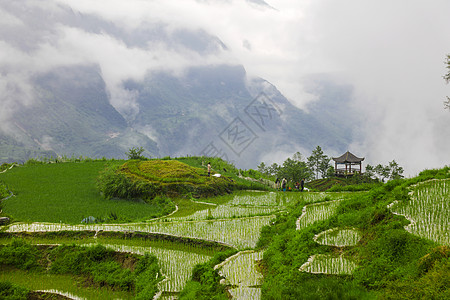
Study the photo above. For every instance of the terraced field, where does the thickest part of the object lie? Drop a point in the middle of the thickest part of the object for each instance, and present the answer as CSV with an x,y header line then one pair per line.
x,y
233,221
200,228
428,210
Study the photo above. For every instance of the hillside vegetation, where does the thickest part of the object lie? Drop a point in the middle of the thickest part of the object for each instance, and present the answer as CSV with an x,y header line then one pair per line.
x,y
386,241
67,192
148,179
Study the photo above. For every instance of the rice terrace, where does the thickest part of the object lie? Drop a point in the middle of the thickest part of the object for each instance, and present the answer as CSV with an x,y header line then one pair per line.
x,y
164,229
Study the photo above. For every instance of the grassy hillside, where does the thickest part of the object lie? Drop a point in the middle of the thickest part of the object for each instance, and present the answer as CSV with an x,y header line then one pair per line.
x,y
67,192
337,184
148,179
390,242
391,262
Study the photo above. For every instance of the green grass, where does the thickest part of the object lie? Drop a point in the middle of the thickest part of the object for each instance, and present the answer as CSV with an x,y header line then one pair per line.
x,y
66,192
3,191
336,184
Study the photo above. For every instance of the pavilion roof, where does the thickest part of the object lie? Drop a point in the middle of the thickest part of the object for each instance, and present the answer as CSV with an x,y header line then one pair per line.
x,y
348,157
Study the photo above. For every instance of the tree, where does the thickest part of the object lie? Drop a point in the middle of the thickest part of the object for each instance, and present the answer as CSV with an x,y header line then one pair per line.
x,y
274,169
294,170
330,172
370,171
382,171
324,166
319,162
135,153
395,171
447,80
262,168
391,171
297,156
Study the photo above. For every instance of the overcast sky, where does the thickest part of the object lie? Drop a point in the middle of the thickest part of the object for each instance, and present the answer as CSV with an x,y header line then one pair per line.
x,y
391,51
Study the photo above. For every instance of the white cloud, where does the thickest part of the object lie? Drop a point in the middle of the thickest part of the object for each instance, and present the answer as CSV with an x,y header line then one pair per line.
x,y
9,20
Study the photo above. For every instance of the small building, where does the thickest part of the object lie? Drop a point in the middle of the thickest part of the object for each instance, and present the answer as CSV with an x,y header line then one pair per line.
x,y
343,164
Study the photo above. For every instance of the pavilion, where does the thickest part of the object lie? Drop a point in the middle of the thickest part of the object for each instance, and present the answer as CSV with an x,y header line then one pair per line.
x,y
348,159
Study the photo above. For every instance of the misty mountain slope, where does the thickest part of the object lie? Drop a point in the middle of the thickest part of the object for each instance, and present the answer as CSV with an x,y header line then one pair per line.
x,y
71,115
186,114
211,110
183,111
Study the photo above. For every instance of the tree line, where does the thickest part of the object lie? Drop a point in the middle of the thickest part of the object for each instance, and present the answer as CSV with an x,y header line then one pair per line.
x,y
318,165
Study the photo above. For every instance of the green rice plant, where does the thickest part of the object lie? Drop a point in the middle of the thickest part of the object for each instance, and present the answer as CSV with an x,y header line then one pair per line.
x,y
176,266
67,192
53,292
255,199
328,264
248,204
338,237
284,199
240,269
245,293
428,210
240,233
227,212
312,213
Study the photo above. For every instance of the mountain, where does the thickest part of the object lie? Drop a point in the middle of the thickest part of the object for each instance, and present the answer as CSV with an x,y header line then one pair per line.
x,y
168,89
209,110
71,115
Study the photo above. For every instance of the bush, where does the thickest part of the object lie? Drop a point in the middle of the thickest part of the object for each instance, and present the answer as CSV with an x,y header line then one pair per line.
x,y
9,291
112,274
205,281
147,277
3,191
114,184
20,255
98,262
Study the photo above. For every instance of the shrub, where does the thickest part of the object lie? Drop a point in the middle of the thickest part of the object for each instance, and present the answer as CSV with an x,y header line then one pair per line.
x,y
9,291
3,191
112,274
20,255
205,281
147,277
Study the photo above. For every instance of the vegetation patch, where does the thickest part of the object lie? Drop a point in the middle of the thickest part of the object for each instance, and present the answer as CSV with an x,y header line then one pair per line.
x,y
339,184
151,179
3,191
98,265
391,263
205,281
67,193
10,291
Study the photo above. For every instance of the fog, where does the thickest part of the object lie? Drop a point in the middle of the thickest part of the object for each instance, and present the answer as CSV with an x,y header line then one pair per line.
x,y
391,52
